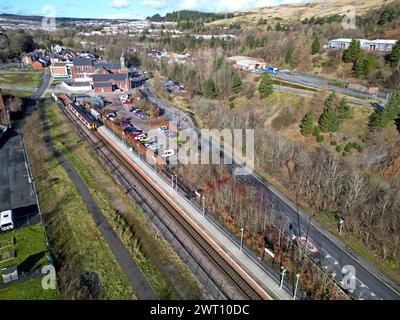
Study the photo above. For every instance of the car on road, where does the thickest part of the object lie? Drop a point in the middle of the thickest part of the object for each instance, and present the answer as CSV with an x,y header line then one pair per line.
x,y
163,129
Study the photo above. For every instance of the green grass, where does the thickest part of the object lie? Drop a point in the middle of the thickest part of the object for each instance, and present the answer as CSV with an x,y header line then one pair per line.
x,y
28,290
30,241
21,79
17,93
157,261
75,240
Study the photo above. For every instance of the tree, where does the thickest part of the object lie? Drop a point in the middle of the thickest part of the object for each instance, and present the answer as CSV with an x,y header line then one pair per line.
x,y
265,87
381,118
315,46
394,57
236,83
343,109
329,121
288,55
306,125
331,100
209,88
353,52
364,65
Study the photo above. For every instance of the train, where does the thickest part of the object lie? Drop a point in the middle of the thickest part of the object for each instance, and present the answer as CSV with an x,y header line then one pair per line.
x,y
87,118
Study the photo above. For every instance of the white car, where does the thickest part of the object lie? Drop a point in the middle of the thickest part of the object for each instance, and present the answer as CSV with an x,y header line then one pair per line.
x,y
141,136
168,153
163,129
149,144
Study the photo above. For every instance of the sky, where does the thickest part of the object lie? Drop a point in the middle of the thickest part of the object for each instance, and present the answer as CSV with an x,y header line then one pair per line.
x,y
126,9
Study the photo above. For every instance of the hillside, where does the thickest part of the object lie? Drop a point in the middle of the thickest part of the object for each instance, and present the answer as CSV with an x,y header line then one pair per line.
x,y
300,11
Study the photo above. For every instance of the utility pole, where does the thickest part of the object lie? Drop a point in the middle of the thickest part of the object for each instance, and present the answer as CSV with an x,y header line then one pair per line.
x,y
297,285
282,276
241,238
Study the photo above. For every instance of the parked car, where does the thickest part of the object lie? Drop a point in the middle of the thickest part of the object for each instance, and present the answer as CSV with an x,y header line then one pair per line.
x,y
143,140
154,147
163,129
168,153
141,136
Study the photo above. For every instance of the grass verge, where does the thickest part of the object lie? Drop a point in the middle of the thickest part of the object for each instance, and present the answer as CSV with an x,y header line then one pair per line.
x,y
164,270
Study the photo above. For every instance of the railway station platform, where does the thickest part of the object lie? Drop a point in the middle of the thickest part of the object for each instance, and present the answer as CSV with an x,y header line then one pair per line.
x,y
238,257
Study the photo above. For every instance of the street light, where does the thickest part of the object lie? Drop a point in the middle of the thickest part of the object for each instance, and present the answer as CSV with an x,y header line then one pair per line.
x,y
341,224
297,285
282,276
241,238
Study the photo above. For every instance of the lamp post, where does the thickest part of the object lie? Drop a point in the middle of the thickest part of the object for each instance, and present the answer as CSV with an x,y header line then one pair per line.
x,y
282,276
297,286
341,224
241,238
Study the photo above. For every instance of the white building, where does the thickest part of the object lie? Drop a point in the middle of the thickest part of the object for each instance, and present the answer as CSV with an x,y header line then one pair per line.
x,y
381,45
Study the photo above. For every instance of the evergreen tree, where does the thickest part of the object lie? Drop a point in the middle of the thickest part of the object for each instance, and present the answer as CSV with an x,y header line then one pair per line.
x,y
236,83
288,55
265,87
364,65
381,118
331,100
394,57
329,121
344,110
209,88
315,46
353,52
306,125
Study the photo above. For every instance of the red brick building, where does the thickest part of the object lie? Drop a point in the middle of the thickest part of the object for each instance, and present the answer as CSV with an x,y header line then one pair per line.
x,y
107,82
83,68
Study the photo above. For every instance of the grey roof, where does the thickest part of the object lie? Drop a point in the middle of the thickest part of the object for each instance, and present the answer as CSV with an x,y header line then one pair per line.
x,y
16,190
107,66
108,77
82,62
102,85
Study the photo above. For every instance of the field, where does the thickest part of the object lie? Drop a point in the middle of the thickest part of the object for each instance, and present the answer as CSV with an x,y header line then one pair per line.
x,y
28,290
300,11
31,80
75,241
164,270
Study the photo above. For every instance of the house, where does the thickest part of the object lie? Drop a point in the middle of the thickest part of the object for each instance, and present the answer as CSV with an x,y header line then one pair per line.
x,y
82,69
29,58
248,63
111,82
61,69
379,45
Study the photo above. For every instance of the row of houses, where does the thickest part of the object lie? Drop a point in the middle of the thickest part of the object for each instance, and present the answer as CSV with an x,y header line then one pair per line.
x,y
378,45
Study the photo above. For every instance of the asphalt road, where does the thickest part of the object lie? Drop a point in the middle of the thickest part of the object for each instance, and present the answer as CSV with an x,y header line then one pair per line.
x,y
370,283
319,83
135,276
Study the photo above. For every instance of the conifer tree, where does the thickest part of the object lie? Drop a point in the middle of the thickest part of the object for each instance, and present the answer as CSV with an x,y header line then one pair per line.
x,y
265,87
329,121
306,125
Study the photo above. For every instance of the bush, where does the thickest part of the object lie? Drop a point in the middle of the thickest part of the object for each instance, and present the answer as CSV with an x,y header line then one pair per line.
x,y
344,154
320,139
333,143
339,149
348,147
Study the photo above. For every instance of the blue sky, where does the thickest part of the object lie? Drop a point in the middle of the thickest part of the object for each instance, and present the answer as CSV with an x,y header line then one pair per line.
x,y
126,8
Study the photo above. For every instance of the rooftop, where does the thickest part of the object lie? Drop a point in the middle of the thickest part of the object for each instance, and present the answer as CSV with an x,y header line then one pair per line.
x,y
82,61
108,77
16,189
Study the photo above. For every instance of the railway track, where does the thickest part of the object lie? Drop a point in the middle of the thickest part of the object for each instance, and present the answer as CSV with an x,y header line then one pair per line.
x,y
221,264
204,246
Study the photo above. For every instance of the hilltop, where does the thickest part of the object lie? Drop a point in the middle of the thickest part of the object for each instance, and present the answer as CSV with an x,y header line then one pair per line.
x,y
301,11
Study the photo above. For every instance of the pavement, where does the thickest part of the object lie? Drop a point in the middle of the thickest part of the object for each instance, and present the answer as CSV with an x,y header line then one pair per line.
x,y
135,276
338,258
253,269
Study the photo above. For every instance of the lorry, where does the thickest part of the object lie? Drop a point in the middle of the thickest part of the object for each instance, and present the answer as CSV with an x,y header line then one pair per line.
x,y
6,220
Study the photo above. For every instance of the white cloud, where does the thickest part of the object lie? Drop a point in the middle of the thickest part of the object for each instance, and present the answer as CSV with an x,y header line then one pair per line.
x,y
119,4
123,15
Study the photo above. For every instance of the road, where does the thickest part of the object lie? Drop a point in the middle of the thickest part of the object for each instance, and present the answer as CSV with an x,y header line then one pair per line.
x,y
318,83
370,282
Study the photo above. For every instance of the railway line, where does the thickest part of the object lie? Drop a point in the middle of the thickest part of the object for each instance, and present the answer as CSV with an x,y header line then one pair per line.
x,y
219,262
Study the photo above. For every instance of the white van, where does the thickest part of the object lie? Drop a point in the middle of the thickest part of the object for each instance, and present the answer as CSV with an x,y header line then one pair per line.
x,y
6,220
168,153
